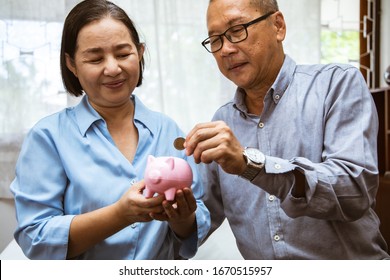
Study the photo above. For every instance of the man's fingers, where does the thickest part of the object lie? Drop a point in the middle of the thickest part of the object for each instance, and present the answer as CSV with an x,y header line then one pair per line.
x,y
200,133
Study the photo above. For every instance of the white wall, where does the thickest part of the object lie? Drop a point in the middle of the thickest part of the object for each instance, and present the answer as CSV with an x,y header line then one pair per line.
x,y
9,151
7,221
303,20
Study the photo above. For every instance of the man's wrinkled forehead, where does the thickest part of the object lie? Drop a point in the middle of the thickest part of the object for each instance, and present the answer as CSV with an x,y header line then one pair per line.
x,y
222,14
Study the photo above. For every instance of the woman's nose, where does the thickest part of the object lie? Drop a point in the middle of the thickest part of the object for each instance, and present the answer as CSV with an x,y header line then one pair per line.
x,y
112,67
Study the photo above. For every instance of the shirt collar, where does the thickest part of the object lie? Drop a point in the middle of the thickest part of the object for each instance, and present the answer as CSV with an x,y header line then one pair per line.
x,y
277,89
143,115
86,115
283,79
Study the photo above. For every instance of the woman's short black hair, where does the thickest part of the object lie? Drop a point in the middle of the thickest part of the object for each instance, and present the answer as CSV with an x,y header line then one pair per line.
x,y
82,14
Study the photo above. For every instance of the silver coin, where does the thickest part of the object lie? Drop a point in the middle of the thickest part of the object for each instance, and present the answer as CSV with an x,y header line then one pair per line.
x,y
179,143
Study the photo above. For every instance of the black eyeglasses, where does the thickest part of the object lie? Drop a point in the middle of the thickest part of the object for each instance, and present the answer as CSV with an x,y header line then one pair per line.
x,y
234,34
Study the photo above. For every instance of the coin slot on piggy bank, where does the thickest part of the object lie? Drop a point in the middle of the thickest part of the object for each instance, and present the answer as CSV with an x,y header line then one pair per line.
x,y
166,175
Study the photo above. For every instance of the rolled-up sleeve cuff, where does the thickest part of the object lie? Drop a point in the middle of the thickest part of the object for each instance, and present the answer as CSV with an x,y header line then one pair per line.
x,y
275,165
53,248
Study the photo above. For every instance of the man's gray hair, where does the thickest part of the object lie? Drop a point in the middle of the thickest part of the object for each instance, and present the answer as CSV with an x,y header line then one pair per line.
x,y
265,6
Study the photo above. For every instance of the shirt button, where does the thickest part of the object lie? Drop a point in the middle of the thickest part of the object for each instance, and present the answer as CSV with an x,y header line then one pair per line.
x,y
261,125
271,198
134,225
278,166
277,97
276,237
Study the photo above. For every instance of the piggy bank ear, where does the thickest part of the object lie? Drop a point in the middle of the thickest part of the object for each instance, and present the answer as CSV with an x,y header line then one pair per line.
x,y
171,163
151,158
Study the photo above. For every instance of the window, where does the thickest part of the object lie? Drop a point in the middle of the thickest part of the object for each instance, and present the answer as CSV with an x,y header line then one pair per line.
x,y
30,83
340,31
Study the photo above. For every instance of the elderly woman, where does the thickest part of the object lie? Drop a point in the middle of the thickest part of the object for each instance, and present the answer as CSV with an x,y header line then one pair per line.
x,y
79,178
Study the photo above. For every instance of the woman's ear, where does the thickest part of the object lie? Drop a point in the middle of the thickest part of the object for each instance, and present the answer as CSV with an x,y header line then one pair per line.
x,y
141,50
70,64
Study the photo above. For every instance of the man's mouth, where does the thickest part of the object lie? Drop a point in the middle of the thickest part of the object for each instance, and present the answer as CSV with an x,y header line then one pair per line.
x,y
236,66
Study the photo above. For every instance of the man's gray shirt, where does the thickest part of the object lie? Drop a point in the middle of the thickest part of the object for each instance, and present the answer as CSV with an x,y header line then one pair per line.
x,y
322,121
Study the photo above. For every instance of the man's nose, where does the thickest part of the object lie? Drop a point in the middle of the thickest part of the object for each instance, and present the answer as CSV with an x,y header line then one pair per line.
x,y
227,47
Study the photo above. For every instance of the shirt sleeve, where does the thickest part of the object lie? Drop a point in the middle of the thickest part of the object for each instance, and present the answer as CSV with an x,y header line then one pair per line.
x,y
343,185
38,188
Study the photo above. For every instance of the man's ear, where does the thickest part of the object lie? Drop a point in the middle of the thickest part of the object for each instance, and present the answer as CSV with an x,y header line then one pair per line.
x,y
70,64
280,25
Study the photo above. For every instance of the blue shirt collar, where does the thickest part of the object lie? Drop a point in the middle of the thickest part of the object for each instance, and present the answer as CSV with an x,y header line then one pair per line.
x,y
86,115
278,88
284,78
143,116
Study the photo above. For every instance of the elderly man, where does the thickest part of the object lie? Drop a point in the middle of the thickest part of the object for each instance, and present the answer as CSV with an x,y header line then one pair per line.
x,y
291,161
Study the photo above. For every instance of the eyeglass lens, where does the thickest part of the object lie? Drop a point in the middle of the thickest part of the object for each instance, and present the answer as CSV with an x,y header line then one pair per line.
x,y
234,34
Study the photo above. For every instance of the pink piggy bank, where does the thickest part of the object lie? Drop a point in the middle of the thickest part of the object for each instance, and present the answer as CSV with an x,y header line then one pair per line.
x,y
165,175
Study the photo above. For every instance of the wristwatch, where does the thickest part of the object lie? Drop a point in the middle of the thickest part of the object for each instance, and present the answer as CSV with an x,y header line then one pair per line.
x,y
254,163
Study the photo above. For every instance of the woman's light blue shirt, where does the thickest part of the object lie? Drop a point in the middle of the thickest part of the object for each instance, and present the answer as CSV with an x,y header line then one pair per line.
x,y
69,165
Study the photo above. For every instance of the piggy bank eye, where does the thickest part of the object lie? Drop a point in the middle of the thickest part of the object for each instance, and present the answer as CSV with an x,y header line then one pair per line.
x,y
154,176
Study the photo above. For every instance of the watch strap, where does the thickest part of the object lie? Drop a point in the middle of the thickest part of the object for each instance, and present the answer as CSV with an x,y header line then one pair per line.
x,y
250,173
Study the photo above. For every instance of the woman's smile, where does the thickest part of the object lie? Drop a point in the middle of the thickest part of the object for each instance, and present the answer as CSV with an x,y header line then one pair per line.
x,y
114,84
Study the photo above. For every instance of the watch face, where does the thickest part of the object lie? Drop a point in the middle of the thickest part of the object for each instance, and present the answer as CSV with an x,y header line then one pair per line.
x,y
255,155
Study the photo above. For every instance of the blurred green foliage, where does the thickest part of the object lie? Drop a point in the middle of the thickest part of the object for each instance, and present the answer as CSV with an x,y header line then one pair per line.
x,y
340,47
